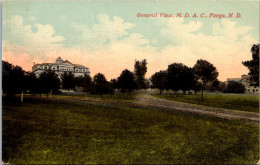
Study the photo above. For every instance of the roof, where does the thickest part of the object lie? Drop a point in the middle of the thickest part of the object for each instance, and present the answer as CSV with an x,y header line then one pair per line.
x,y
66,61
59,58
80,65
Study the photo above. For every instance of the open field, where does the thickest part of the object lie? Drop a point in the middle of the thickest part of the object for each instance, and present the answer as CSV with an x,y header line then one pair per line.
x,y
55,131
124,97
118,96
231,101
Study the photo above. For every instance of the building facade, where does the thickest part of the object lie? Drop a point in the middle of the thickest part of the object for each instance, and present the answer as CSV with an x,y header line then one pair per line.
x,y
250,88
60,66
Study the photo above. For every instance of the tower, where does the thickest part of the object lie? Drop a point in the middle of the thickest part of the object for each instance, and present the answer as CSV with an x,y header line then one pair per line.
x,y
59,60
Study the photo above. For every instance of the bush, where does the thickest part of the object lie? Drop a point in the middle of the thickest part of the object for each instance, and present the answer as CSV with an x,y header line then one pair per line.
x,y
235,87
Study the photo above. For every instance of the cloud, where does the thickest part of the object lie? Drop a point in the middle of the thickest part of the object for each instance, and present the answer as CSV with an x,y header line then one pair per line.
x,y
44,46
176,31
22,39
229,29
109,47
226,47
32,18
105,31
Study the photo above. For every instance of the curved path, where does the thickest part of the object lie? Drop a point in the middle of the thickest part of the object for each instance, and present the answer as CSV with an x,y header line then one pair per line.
x,y
148,100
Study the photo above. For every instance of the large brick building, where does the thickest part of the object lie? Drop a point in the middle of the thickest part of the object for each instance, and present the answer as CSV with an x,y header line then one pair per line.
x,y
60,67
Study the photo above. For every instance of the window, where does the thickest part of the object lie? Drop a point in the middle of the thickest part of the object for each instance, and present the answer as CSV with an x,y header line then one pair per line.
x,y
45,67
53,68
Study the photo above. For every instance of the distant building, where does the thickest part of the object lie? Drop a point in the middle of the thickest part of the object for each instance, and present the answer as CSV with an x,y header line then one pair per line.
x,y
250,87
60,67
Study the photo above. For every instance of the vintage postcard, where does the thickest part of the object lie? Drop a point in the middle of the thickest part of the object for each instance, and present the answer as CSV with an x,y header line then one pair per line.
x,y
130,82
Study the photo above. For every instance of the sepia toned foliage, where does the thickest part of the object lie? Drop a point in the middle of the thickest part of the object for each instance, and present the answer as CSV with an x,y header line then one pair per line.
x,y
68,80
235,87
253,65
205,72
140,71
180,77
14,80
159,80
126,81
101,85
49,82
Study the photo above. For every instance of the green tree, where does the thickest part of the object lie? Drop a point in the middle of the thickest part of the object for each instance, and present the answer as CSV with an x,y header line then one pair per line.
x,y
173,76
196,87
187,78
126,81
159,80
114,84
68,80
253,65
49,82
14,80
32,82
205,72
87,83
180,77
222,86
101,85
140,71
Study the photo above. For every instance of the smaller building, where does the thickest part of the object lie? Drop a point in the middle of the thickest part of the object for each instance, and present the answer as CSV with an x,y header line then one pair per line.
x,y
250,87
60,66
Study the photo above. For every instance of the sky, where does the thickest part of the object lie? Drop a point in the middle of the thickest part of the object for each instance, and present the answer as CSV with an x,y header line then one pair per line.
x,y
108,36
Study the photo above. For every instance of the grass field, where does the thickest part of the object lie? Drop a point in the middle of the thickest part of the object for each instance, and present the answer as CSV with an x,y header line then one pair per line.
x,y
117,96
126,97
231,101
49,131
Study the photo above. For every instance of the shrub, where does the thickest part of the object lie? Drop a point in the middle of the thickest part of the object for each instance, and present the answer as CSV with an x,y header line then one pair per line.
x,y
235,87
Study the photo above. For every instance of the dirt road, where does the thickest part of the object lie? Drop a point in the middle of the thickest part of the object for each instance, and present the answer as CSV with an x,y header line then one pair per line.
x,y
148,100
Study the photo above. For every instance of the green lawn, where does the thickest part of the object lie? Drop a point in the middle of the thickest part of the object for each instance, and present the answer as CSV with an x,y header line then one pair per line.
x,y
50,131
117,96
231,101
126,97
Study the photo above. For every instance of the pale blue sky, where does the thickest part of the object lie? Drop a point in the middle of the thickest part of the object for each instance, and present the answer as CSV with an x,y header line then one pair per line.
x,y
62,14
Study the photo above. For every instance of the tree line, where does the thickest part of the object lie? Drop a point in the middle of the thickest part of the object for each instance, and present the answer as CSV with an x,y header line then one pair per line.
x,y
16,80
202,76
181,77
177,77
